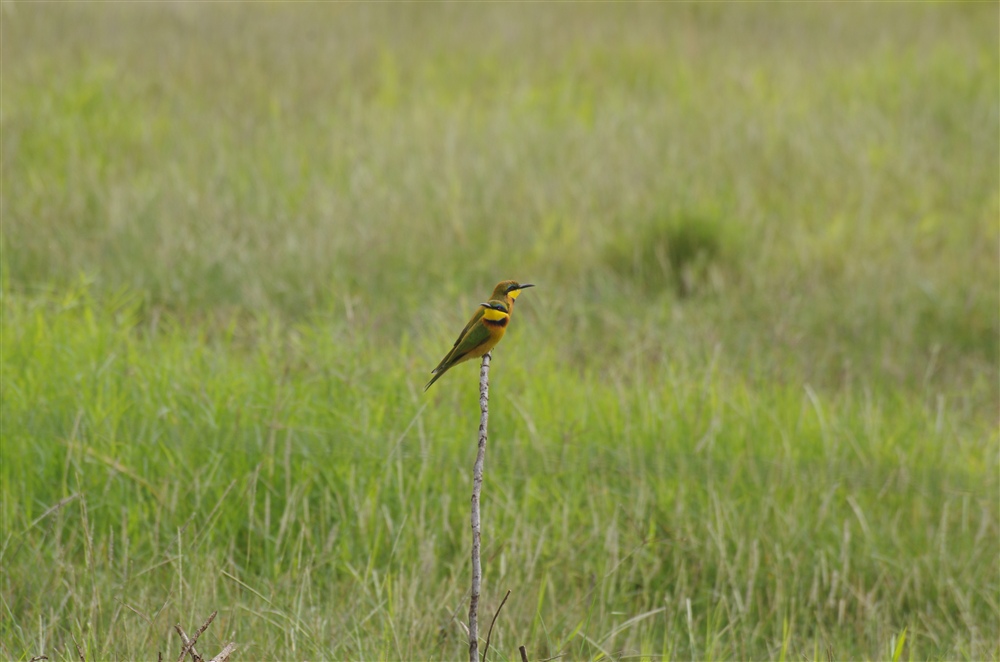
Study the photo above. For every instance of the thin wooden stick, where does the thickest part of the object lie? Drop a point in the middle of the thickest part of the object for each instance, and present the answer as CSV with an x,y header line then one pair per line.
x,y
489,632
477,486
524,653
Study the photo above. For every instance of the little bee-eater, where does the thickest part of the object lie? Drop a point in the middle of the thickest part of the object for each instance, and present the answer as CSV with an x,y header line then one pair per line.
x,y
478,329
506,291
483,331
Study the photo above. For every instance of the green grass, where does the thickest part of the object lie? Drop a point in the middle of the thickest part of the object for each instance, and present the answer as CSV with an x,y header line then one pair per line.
x,y
304,485
749,412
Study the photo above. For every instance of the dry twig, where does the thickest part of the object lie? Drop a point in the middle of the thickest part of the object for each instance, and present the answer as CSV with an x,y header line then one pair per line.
x,y
226,652
188,646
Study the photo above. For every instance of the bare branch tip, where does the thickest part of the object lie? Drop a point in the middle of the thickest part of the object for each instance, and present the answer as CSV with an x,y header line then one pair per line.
x,y
490,631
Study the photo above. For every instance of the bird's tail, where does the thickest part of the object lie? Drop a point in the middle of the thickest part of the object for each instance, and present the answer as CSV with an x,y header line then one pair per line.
x,y
437,375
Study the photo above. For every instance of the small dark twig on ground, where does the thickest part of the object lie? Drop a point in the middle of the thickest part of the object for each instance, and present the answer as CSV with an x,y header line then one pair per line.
x,y
490,631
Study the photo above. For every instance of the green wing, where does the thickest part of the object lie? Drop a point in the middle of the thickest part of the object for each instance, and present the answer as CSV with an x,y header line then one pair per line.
x,y
475,318
447,358
475,337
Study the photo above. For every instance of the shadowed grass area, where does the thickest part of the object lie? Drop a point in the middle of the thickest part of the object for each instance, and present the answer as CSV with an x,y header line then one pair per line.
x,y
748,412
688,252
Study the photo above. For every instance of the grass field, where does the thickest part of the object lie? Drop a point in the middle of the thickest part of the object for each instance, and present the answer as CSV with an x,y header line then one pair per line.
x,y
749,412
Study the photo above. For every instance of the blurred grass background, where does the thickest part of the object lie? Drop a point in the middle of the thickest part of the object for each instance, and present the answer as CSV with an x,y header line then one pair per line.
x,y
828,177
736,215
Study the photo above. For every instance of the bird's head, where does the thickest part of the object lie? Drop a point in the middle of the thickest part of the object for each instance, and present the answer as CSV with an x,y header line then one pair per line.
x,y
509,288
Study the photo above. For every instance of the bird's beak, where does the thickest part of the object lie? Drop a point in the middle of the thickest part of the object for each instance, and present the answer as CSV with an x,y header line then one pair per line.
x,y
485,305
525,286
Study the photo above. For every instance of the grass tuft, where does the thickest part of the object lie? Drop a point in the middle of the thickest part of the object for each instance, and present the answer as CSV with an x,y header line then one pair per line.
x,y
685,252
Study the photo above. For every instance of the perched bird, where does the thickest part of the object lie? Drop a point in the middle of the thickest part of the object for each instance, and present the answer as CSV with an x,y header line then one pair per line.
x,y
479,336
506,291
